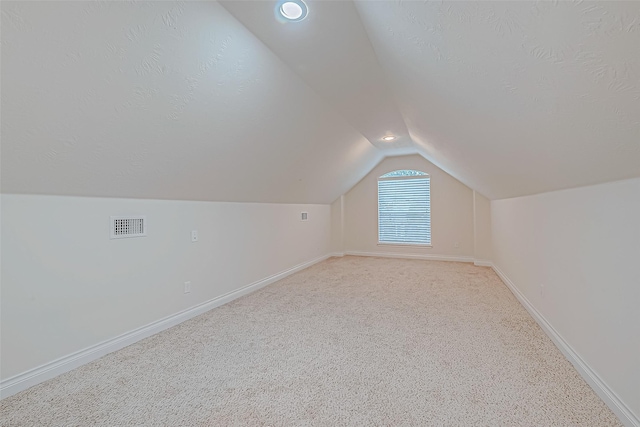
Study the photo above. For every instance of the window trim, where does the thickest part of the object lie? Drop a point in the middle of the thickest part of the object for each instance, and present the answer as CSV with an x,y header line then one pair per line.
x,y
398,178
404,245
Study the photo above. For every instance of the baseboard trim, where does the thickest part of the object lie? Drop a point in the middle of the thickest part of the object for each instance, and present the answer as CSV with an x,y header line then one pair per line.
x,y
482,263
610,398
411,256
42,373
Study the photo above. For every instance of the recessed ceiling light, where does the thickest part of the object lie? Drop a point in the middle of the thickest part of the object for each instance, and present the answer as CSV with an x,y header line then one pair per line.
x,y
294,10
388,138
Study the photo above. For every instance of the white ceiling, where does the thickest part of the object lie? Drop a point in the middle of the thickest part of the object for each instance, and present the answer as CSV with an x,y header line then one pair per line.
x,y
197,101
516,97
331,52
163,100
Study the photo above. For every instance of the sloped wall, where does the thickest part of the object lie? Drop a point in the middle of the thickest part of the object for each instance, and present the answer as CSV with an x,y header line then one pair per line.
x,y
67,286
574,256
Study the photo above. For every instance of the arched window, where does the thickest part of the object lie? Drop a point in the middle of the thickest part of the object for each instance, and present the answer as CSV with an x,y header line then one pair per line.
x,y
404,208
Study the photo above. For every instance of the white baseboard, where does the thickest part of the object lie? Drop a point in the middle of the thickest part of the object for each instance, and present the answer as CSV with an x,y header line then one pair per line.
x,y
482,263
34,376
412,256
52,369
610,398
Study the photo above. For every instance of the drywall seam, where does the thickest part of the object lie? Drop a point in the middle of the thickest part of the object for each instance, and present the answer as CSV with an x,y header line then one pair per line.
x,y
34,376
411,256
610,398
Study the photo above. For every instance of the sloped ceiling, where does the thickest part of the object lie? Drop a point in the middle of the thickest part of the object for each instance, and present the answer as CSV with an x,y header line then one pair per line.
x,y
203,101
331,52
516,97
163,100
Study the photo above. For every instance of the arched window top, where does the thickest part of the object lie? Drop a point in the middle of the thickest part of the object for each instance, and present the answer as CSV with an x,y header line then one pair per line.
x,y
404,208
403,172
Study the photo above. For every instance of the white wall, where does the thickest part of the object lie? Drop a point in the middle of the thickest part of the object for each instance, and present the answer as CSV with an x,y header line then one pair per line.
x,y
67,286
451,213
583,246
482,245
337,225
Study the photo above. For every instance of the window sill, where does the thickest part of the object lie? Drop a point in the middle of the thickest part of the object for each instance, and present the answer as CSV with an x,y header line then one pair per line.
x,y
404,245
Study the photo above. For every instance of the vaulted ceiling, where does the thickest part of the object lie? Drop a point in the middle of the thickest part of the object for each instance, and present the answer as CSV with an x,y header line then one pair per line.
x,y
223,101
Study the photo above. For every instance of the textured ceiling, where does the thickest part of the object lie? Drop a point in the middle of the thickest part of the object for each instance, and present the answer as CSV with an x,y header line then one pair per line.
x,y
516,97
163,100
331,51
193,100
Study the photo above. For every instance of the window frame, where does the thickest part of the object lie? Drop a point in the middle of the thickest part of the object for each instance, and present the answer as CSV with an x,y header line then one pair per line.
x,y
422,175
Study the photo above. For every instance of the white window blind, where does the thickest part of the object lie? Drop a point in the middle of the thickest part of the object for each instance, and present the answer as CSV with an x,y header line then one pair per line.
x,y
404,208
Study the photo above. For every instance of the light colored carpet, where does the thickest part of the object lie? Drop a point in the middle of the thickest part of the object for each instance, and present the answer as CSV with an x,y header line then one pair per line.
x,y
348,342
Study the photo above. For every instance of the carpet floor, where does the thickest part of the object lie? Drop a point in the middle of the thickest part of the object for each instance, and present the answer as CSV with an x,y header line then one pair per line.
x,y
348,342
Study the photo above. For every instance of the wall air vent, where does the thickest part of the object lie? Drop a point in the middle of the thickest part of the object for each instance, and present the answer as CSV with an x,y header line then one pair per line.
x,y
123,227
304,216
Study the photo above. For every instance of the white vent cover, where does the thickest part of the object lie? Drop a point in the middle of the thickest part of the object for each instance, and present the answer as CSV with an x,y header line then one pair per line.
x,y
128,226
304,216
